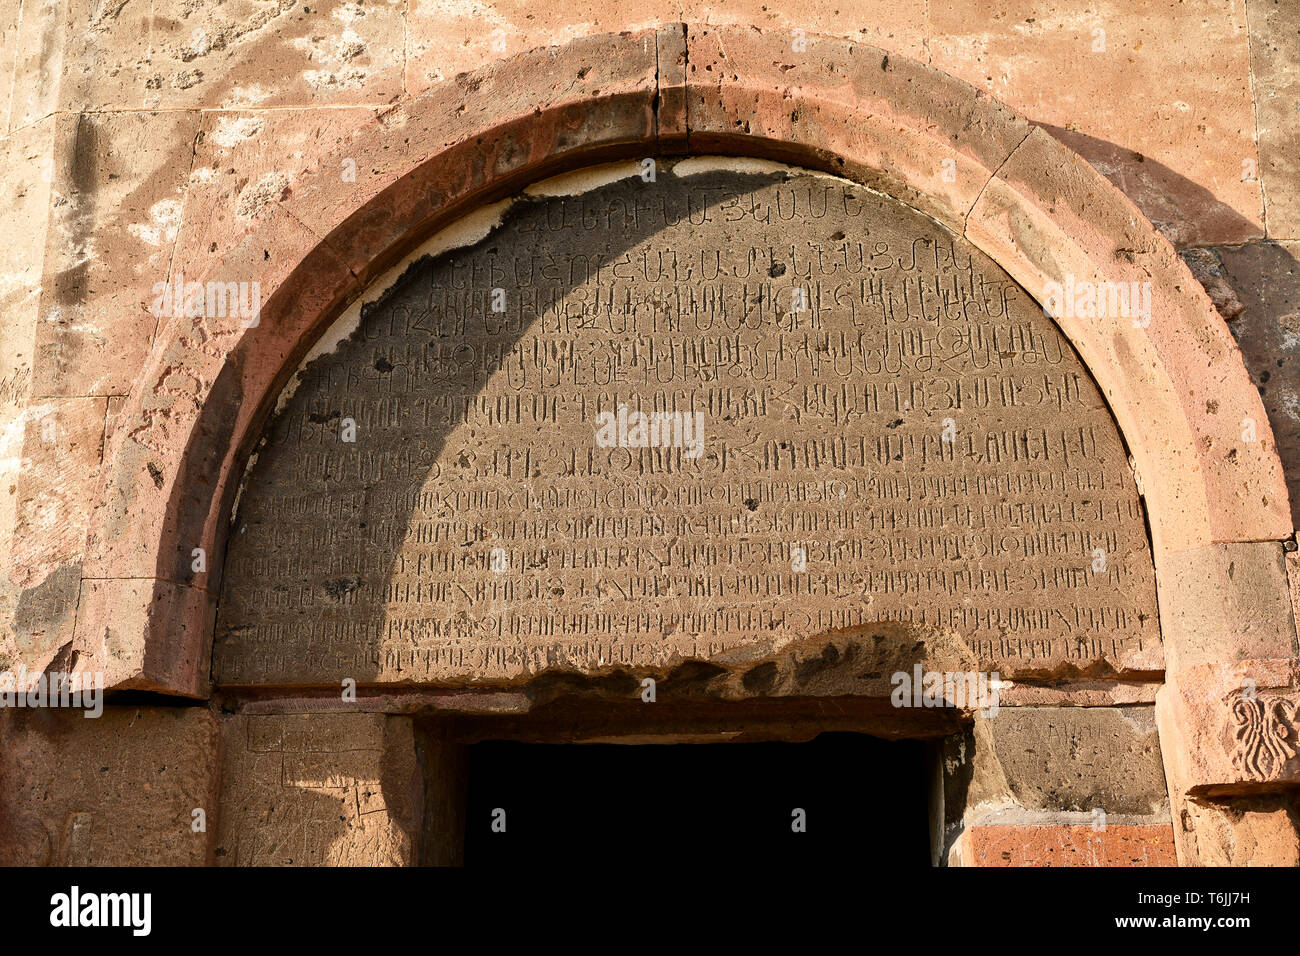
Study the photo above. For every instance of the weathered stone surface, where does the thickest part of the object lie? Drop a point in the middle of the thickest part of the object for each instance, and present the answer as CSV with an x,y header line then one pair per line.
x,y
1065,845
120,183
262,204
926,138
1226,602
319,790
672,126
1293,580
205,371
1256,831
62,449
1081,759
245,162
117,790
165,518
1275,74
1176,150
443,42
24,219
1056,786
1232,727
114,617
43,619
170,54
197,380
594,97
40,35
477,441
1172,139
1266,277
1230,733
1207,267
61,452
1185,402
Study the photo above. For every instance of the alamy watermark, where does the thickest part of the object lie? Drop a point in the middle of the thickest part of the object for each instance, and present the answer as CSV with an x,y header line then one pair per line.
x,y
634,429
962,690
1098,300
213,300
75,908
84,691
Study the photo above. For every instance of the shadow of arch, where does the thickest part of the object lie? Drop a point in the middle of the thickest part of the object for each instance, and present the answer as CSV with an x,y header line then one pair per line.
x,y
430,441
317,557
1266,278
1176,205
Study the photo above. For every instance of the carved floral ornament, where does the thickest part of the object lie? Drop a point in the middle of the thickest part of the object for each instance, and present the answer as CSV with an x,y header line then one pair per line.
x,y
1266,729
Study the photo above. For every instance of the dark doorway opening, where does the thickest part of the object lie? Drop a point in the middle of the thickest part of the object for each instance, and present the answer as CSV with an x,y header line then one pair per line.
x,y
862,799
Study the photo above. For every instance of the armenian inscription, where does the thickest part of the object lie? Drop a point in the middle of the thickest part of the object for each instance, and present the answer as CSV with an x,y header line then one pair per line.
x,y
658,419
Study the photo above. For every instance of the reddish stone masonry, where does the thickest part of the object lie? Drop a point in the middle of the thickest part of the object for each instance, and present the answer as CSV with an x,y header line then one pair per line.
x,y
1216,502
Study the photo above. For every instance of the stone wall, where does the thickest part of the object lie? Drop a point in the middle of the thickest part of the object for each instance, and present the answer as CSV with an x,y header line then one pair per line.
x,y
138,138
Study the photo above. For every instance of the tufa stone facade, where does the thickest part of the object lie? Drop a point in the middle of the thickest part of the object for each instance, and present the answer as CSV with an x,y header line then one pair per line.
x,y
382,378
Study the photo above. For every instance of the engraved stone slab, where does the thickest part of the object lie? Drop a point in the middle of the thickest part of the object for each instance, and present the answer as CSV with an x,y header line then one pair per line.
x,y
655,420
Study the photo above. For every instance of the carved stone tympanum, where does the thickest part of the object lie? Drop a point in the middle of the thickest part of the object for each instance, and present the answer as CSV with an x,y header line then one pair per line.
x,y
650,418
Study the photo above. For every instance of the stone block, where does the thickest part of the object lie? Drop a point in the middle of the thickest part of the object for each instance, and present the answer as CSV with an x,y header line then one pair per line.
x,y
1065,845
39,37
1232,727
1266,278
115,620
1225,602
319,790
1254,831
1080,759
62,448
121,180
117,790
1173,140
1275,75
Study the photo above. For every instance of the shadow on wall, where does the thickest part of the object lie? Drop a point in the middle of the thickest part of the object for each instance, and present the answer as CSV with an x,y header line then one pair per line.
x,y
318,790
1266,278
369,510
1177,206
345,545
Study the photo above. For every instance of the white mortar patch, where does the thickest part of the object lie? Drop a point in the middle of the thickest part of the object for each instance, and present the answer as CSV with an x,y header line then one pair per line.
x,y
584,180
246,96
472,228
13,433
695,165
165,226
230,132
477,225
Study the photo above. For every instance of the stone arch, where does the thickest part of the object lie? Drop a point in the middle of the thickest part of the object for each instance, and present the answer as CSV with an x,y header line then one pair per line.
x,y
1178,389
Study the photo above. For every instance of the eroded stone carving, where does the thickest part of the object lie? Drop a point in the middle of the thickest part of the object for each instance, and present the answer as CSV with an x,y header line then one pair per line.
x,y
1264,731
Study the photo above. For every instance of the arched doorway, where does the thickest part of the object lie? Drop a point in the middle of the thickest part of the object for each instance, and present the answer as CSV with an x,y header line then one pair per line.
x,y
692,450
1176,388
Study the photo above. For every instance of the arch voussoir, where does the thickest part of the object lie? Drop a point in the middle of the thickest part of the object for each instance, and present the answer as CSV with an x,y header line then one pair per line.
x,y
920,135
